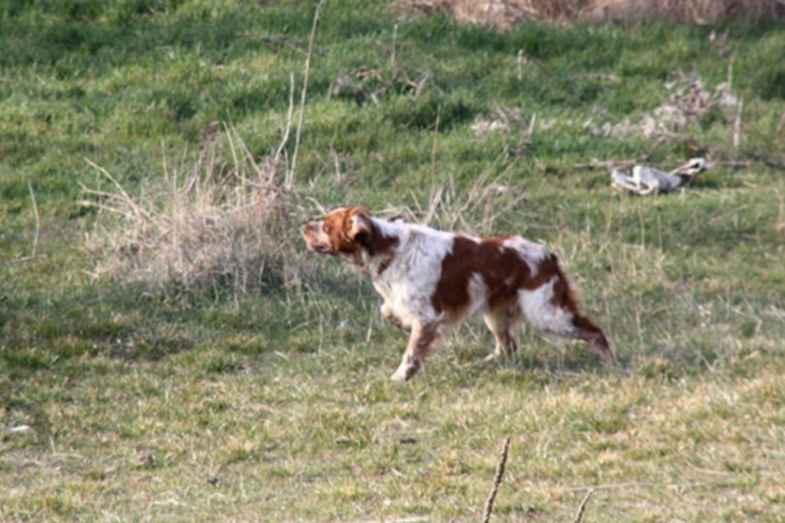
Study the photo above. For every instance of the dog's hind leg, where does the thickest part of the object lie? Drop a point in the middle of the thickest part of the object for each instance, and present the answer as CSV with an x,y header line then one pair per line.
x,y
551,308
500,321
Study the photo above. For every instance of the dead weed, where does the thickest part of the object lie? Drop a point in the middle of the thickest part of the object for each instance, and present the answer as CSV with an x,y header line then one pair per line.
x,y
506,14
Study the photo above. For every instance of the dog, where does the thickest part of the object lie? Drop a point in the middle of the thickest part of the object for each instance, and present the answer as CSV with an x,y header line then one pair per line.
x,y
432,279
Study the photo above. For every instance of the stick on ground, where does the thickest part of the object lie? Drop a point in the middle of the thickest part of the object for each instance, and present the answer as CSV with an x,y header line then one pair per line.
x,y
496,482
582,507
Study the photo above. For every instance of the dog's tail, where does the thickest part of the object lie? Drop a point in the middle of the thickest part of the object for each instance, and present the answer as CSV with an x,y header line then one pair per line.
x,y
564,296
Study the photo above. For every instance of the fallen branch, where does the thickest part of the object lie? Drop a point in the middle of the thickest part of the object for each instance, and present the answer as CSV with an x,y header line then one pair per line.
x,y
496,482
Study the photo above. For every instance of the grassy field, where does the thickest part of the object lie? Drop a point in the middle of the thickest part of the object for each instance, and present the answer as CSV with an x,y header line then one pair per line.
x,y
129,402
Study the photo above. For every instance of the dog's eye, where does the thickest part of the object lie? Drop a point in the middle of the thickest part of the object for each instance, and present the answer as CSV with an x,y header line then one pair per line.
x,y
327,228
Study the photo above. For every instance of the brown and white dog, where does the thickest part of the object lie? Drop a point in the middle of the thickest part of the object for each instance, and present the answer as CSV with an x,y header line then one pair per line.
x,y
432,279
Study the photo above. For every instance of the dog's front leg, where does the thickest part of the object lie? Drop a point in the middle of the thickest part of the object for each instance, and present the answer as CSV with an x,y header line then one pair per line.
x,y
421,341
389,315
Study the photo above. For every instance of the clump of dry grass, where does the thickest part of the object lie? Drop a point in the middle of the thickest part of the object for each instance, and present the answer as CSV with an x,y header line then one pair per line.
x,y
219,224
689,11
505,14
500,14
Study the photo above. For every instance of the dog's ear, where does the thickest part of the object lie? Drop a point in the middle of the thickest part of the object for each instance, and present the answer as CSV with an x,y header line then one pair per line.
x,y
360,225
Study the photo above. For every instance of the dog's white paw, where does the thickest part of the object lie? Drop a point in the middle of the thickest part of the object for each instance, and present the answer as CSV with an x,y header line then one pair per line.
x,y
405,372
493,357
399,375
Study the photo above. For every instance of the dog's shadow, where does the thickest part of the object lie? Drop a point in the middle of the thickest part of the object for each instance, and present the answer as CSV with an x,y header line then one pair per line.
x,y
556,361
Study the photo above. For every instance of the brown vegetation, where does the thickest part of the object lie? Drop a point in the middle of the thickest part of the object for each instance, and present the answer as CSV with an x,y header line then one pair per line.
x,y
505,14
217,223
690,11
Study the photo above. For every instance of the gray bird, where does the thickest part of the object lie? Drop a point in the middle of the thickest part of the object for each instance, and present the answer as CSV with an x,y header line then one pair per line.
x,y
646,180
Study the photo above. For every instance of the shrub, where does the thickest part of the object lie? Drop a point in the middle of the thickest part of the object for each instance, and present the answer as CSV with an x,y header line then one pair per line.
x,y
219,226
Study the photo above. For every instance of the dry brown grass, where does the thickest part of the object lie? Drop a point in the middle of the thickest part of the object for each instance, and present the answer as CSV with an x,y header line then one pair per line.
x,y
218,224
501,14
505,14
690,11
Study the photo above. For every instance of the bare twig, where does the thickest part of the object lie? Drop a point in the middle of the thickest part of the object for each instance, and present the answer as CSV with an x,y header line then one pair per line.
x,y
420,84
496,482
729,79
433,205
737,125
285,137
322,209
37,220
435,144
530,131
394,43
582,507
337,162
781,125
122,195
290,175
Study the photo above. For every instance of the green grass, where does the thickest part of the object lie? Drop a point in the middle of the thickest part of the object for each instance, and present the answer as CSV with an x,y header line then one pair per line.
x,y
276,406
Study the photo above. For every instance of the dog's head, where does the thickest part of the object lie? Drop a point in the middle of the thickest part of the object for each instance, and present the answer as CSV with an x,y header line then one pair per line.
x,y
343,231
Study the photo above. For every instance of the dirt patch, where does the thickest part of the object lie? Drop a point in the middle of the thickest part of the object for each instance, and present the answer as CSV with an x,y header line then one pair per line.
x,y
506,14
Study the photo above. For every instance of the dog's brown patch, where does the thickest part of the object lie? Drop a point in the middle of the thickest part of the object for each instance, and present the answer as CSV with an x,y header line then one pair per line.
x,y
501,268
